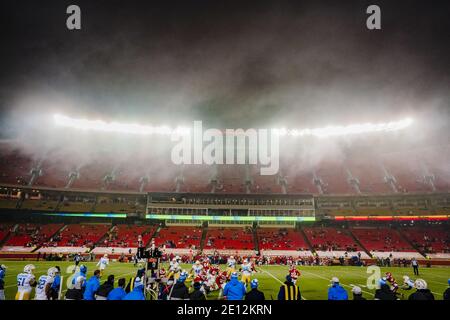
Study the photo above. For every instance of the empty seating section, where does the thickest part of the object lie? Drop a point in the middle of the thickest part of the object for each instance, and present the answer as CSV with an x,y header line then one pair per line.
x,y
428,240
334,179
14,167
30,235
407,173
125,236
179,237
197,179
231,179
370,176
265,184
54,175
408,169
381,239
301,183
330,239
229,238
78,235
91,176
280,239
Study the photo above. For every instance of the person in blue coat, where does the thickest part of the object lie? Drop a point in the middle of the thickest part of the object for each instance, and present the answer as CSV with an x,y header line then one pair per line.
x,y
92,286
2,281
119,292
234,290
336,291
138,291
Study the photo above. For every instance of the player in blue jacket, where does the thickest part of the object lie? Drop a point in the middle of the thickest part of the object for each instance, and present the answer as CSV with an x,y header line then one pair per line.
x,y
138,291
234,290
119,292
2,281
336,291
92,286
81,273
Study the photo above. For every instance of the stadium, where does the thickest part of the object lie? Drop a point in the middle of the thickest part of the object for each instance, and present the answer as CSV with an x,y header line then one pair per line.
x,y
358,192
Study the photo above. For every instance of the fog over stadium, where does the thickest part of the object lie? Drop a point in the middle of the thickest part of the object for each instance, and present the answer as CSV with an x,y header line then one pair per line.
x,y
230,65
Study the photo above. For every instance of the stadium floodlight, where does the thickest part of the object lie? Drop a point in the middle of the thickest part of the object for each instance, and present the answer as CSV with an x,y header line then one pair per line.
x,y
347,130
329,131
99,125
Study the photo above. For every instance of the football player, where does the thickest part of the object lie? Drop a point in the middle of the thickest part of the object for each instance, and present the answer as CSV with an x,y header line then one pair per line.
x,y
102,263
246,270
394,285
25,282
44,284
231,265
294,273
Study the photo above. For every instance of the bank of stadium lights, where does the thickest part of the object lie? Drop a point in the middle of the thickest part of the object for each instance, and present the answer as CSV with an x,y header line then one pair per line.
x,y
138,129
100,125
347,130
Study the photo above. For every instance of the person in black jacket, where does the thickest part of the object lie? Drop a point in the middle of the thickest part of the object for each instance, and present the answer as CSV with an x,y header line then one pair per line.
x,y
447,292
197,294
422,292
289,291
357,293
385,292
254,294
130,286
105,288
180,291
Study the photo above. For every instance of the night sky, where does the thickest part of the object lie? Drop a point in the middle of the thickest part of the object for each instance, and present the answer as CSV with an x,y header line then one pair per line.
x,y
229,63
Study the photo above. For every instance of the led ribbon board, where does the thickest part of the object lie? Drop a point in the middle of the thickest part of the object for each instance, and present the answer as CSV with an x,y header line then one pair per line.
x,y
227,218
89,215
391,218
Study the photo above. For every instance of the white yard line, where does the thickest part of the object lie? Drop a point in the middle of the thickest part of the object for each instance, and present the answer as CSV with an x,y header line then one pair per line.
x,y
303,298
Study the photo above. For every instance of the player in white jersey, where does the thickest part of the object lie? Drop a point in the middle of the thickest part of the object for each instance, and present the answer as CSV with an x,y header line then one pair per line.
x,y
408,284
25,283
246,270
44,284
174,269
103,262
231,265
197,268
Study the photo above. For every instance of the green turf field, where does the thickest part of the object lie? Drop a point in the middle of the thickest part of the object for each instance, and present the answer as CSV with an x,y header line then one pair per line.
x,y
313,282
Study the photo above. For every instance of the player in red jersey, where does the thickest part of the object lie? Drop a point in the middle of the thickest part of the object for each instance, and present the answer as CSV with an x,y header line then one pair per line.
x,y
162,273
294,273
394,285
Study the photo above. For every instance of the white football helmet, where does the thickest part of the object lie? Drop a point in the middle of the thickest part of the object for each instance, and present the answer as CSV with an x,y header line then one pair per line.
x,y
51,272
29,268
420,284
105,255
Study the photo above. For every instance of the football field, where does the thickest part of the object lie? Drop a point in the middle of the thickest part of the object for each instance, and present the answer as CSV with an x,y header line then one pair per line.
x,y
313,282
